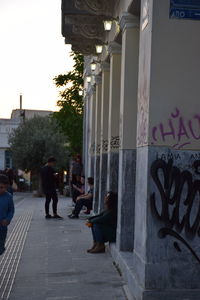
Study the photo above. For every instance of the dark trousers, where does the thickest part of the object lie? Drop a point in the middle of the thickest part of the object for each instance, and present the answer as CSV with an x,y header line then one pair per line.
x,y
51,195
75,194
97,233
3,234
80,203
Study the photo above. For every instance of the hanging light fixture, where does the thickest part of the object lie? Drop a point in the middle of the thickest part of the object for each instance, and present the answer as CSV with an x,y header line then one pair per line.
x,y
107,25
88,79
80,92
93,66
99,49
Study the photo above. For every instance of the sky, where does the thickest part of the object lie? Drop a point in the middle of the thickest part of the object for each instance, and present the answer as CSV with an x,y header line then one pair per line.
x,y
32,53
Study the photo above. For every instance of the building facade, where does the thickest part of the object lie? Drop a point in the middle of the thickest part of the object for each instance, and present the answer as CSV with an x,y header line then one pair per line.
x,y
142,134
29,113
7,126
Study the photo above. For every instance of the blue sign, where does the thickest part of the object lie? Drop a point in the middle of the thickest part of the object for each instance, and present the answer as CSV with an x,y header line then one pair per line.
x,y
185,9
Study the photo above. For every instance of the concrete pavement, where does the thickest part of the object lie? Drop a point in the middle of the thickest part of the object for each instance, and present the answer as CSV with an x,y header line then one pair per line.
x,y
47,259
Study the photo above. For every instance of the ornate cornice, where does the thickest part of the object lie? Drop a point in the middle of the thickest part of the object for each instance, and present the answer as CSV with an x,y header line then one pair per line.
x,y
89,31
96,7
90,27
114,48
105,66
98,79
79,18
81,44
91,91
82,23
127,20
85,49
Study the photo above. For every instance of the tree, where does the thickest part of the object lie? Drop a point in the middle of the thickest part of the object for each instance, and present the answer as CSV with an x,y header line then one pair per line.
x,y
34,141
70,115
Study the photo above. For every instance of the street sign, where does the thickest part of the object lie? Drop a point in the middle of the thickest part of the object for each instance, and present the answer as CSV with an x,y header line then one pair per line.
x,y
185,9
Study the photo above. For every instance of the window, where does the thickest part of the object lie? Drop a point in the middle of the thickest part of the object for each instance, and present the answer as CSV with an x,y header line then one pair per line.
x,y
8,159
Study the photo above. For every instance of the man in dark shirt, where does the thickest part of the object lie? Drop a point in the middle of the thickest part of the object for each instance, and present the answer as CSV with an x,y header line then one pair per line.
x,y
48,177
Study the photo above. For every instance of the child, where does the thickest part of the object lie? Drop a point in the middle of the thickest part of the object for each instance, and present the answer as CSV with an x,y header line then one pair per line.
x,y
6,210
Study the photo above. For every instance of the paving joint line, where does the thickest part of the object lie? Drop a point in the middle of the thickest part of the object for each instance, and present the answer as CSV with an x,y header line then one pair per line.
x,y
10,261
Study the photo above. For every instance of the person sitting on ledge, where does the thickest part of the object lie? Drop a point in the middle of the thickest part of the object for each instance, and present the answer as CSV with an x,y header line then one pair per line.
x,y
104,225
83,200
78,188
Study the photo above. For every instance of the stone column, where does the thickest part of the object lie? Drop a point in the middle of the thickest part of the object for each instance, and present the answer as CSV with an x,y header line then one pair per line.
x,y
113,122
85,134
104,134
167,223
128,124
92,132
98,80
88,129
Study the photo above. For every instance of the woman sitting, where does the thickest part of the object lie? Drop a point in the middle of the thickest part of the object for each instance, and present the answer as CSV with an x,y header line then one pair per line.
x,y
104,225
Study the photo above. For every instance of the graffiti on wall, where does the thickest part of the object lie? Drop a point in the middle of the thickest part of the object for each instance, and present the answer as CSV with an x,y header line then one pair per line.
x,y
181,131
98,149
105,146
115,142
176,202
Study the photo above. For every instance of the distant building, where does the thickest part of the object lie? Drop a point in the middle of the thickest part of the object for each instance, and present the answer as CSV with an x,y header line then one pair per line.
x,y
6,127
29,113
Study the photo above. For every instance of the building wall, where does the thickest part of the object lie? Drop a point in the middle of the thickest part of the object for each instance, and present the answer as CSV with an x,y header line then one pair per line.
x,y
7,126
30,113
158,231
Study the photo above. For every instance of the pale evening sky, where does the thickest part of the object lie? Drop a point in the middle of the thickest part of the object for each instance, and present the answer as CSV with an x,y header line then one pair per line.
x,y
32,53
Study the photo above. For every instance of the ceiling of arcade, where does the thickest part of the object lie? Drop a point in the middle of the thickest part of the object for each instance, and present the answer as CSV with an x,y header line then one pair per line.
x,y
82,21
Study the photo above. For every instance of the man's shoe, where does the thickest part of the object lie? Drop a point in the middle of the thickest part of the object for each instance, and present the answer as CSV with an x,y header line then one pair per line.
x,y
94,245
57,217
73,216
100,248
48,216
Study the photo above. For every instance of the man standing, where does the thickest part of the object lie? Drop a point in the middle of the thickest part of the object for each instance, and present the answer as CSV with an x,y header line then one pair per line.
x,y
48,177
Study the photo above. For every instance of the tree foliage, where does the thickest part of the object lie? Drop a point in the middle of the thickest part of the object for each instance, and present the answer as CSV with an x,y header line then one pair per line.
x,y
34,141
70,115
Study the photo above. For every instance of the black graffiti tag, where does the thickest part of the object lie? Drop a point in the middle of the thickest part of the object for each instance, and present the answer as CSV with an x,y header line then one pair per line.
x,y
178,191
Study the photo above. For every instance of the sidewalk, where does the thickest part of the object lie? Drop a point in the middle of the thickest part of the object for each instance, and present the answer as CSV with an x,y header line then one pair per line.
x,y
54,264
17,196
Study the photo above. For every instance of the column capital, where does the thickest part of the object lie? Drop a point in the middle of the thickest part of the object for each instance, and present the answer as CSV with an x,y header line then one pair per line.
x,y
128,20
114,48
105,66
93,88
98,79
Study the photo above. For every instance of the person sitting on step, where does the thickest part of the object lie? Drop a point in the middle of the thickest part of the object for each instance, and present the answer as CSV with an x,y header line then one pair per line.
x,y
78,188
104,225
83,200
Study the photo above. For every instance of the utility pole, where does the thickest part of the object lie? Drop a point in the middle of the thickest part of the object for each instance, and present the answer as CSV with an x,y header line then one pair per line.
x,y
22,112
